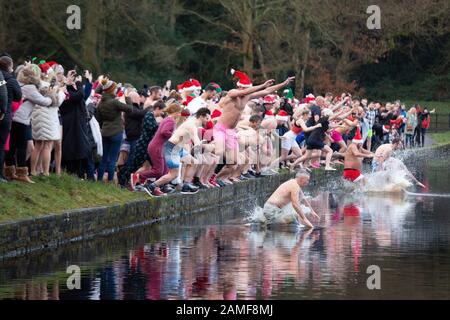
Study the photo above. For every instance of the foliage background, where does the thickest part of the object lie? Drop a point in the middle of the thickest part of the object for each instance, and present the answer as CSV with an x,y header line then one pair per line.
x,y
325,43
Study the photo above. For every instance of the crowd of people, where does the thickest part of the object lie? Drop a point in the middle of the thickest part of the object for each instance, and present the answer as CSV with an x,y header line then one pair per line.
x,y
161,140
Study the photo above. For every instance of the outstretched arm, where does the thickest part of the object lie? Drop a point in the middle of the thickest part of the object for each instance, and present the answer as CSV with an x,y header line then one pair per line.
x,y
295,199
248,91
272,89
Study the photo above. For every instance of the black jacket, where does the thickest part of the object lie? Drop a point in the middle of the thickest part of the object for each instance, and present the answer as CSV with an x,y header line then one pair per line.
x,y
75,144
3,95
133,122
13,90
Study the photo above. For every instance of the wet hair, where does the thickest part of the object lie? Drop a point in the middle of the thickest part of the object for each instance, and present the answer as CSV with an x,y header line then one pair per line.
x,y
202,112
154,89
255,118
173,108
396,141
302,174
159,105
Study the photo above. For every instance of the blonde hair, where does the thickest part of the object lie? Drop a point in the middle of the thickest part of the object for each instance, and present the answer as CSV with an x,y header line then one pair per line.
x,y
29,74
412,110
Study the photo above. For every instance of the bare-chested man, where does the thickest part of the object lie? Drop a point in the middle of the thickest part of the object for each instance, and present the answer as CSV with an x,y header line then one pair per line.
x,y
353,159
175,152
383,153
232,105
290,192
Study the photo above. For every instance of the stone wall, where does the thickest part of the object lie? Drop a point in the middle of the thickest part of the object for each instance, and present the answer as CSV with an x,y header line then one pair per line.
x,y
54,230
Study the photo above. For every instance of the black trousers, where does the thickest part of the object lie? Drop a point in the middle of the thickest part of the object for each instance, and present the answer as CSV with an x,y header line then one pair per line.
x,y
18,142
76,167
5,128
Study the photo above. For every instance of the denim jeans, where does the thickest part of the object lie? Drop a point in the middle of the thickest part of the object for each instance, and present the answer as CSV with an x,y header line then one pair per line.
x,y
111,149
133,144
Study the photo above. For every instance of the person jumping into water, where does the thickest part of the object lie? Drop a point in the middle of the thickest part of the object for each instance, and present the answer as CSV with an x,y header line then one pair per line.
x,y
290,192
383,153
353,159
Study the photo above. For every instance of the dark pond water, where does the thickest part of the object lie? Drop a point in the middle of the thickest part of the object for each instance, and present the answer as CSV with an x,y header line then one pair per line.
x,y
216,256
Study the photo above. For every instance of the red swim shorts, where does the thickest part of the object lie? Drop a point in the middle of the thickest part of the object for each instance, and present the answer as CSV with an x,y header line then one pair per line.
x,y
353,175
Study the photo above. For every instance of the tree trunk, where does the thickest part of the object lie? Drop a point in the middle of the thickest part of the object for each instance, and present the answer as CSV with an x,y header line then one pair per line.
x,y
261,61
91,35
173,15
305,60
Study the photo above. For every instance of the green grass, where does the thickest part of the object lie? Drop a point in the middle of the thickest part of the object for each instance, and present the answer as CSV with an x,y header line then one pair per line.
x,y
441,137
441,107
52,195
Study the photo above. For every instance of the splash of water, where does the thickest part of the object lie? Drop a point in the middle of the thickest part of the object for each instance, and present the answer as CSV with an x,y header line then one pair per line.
x,y
287,216
395,177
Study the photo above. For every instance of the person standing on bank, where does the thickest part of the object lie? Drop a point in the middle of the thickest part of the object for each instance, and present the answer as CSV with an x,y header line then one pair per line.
x,y
109,115
5,123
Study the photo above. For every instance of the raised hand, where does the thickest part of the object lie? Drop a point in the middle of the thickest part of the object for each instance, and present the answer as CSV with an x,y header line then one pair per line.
x,y
289,80
269,83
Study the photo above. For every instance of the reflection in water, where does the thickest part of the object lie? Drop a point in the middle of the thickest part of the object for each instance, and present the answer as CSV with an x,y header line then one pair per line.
x,y
217,256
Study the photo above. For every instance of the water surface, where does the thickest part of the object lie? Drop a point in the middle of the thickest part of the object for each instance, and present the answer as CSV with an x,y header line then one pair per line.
x,y
217,256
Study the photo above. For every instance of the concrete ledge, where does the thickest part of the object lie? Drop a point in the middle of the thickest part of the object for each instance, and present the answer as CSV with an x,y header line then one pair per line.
x,y
55,230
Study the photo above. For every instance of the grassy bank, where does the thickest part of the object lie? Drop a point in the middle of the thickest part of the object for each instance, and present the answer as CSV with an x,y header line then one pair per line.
x,y
19,201
441,137
441,107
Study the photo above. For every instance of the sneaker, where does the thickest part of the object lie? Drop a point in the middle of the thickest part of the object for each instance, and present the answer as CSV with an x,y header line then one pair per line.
x,y
243,178
248,176
141,188
221,183
158,193
189,189
200,185
153,190
251,173
167,189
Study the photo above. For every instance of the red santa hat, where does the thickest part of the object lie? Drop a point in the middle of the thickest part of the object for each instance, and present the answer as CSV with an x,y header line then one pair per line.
x,y
269,99
269,115
358,138
282,116
310,98
216,114
196,85
186,86
244,80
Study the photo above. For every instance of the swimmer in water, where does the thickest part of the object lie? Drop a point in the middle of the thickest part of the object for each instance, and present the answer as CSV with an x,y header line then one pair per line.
x,y
290,192
383,153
